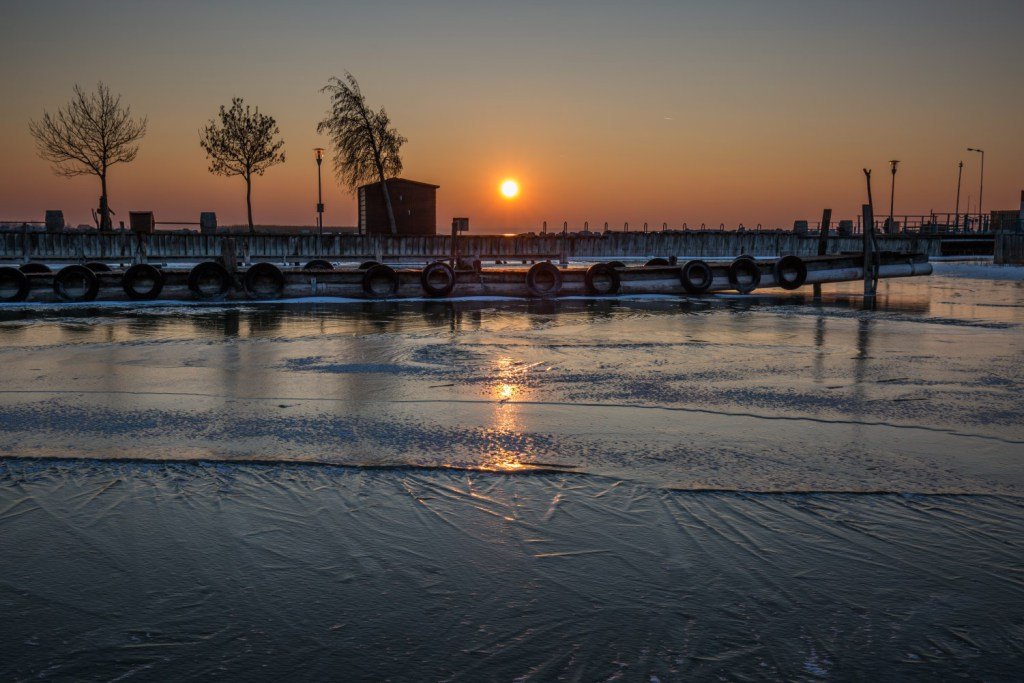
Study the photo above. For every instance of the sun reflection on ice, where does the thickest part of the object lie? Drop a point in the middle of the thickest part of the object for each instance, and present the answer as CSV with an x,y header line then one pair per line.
x,y
506,450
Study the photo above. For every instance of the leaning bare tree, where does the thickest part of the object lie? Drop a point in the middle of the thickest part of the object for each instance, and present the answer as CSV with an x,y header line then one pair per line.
x,y
88,136
243,143
366,146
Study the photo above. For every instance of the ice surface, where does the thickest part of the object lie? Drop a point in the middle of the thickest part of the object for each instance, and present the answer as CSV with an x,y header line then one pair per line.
x,y
284,572
752,487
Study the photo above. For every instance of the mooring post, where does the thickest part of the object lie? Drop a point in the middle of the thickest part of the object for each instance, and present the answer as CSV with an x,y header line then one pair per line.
x,y
563,256
227,254
26,251
140,255
455,233
869,251
826,223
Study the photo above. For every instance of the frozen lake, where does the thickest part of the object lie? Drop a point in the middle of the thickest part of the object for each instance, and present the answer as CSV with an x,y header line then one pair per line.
x,y
740,486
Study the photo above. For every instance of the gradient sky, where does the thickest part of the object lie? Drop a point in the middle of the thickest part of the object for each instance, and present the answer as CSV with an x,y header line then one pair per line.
x,y
728,111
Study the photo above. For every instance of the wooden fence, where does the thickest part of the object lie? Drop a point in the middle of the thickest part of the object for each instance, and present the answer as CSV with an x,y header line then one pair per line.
x,y
1009,248
126,246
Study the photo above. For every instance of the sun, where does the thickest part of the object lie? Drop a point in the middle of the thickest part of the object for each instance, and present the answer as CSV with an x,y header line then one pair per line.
x,y
510,188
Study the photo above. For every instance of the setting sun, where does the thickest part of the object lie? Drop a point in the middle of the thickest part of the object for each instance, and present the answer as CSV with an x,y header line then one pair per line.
x,y
510,188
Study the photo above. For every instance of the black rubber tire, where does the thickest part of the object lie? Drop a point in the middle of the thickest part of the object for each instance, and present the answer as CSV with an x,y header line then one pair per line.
x,y
377,275
790,272
431,273
97,267
747,256
544,279
657,262
140,274
209,273
72,278
602,280
696,276
14,284
366,265
616,264
744,275
264,281
34,267
318,264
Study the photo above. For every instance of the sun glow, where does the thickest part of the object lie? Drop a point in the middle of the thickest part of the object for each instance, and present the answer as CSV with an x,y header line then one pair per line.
x,y
510,188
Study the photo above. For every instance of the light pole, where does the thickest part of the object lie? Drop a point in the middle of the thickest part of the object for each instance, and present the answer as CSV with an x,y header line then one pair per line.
x,y
319,192
981,190
959,176
893,163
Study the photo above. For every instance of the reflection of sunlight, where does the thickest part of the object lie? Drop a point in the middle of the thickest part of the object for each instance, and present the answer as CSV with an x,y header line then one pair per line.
x,y
505,391
507,385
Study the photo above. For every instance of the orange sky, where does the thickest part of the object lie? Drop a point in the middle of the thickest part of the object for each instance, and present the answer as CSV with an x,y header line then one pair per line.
x,y
659,112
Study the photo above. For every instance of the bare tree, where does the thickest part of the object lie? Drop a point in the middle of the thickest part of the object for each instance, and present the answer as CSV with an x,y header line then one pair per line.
x,y
88,136
366,146
243,143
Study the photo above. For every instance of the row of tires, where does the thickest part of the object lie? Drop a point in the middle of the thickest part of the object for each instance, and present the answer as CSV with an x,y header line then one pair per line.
x,y
696,277
207,280
211,280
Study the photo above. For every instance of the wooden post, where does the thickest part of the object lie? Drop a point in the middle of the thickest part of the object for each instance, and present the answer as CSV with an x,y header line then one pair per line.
x,y
826,223
227,254
141,255
455,234
869,251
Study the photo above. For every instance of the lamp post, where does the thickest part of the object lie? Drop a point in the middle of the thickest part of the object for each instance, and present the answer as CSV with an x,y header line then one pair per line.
x,y
981,190
319,151
893,163
959,176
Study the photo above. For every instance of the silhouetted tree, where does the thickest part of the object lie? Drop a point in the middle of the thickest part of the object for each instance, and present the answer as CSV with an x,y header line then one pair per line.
x,y
366,146
242,143
88,136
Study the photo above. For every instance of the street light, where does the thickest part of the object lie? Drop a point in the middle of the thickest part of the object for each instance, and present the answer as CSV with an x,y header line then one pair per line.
x,y
981,190
319,151
893,163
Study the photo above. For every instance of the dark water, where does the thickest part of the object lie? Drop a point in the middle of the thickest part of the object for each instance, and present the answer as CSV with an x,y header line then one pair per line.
x,y
747,488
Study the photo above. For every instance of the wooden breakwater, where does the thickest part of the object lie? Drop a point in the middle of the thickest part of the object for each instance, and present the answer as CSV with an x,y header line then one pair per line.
x,y
1009,248
25,246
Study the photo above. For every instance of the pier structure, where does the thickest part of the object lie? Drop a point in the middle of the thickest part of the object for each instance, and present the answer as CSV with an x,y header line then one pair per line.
x,y
17,246
141,268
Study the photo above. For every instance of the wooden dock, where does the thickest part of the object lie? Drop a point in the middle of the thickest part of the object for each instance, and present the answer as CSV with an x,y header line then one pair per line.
x,y
126,247
228,278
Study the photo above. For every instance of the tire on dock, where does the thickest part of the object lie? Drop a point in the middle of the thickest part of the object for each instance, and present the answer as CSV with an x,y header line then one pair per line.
x,y
437,279
97,266
790,272
34,268
544,279
602,279
14,284
380,281
744,275
616,264
657,262
143,282
76,283
696,276
209,280
318,264
264,281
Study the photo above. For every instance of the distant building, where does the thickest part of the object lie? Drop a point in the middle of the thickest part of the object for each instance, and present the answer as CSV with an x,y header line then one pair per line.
x,y
414,204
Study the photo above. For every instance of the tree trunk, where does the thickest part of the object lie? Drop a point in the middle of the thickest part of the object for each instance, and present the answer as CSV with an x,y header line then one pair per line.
x,y
387,203
248,203
105,222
